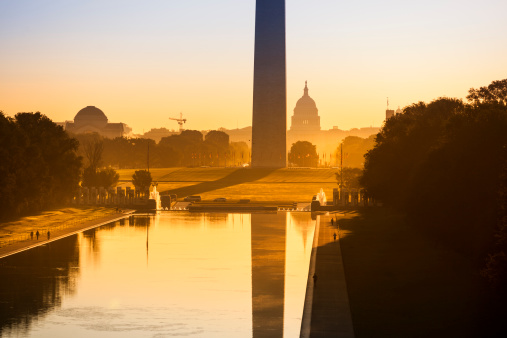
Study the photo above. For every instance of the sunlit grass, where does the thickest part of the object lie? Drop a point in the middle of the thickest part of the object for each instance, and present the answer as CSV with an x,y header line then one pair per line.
x,y
280,185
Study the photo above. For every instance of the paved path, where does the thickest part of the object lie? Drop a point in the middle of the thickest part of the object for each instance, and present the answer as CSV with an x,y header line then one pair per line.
x,y
61,233
330,310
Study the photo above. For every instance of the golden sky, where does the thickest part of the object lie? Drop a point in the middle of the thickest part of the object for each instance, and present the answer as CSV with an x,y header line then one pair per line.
x,y
144,61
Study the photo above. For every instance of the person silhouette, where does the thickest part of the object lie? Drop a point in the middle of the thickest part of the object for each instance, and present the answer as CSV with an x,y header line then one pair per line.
x,y
31,235
332,221
37,234
334,236
48,235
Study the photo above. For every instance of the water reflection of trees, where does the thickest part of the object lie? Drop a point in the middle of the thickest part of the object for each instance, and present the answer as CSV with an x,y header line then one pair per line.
x,y
33,283
141,220
217,220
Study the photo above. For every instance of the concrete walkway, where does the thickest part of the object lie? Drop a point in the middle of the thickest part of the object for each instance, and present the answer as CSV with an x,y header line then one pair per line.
x,y
330,309
61,233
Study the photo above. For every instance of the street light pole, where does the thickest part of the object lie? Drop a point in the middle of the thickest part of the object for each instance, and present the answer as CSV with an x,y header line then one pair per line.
x,y
341,165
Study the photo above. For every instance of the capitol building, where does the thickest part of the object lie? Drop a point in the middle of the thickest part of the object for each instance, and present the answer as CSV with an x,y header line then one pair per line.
x,y
305,126
306,120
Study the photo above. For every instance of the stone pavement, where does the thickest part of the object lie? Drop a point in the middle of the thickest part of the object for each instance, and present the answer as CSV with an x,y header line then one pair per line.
x,y
330,310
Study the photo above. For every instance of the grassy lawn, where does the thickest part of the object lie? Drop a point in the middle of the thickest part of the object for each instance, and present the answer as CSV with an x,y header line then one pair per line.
x,y
401,284
279,185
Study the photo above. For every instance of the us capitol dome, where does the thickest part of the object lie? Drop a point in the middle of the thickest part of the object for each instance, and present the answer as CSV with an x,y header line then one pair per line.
x,y
306,115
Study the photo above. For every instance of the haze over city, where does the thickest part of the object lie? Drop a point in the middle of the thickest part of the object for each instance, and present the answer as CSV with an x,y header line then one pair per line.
x,y
142,62
339,169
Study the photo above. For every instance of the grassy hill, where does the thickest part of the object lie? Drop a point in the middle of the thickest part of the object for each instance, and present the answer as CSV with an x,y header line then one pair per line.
x,y
256,184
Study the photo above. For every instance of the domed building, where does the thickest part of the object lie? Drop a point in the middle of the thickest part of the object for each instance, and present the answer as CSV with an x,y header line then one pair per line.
x,y
305,124
306,115
93,120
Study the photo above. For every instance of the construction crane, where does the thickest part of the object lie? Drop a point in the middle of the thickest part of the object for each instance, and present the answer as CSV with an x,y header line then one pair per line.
x,y
180,121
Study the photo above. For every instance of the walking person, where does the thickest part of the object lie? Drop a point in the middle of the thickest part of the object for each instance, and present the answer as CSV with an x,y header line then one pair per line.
x,y
37,234
48,235
31,235
334,236
332,221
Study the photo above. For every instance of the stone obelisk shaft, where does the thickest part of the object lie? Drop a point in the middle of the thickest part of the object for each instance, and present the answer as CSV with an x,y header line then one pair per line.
x,y
269,125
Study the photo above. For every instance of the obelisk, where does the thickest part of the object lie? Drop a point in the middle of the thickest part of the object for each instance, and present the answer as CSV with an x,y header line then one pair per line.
x,y
269,125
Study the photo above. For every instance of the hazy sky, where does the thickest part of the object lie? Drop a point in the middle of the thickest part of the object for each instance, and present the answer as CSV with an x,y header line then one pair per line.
x,y
144,61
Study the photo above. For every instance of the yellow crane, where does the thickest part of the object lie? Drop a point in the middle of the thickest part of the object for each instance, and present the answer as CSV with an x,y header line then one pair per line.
x,y
180,121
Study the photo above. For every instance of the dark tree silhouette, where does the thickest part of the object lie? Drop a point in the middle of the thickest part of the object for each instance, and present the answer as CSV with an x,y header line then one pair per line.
x,y
106,178
443,164
93,150
218,138
351,177
39,167
402,144
303,154
142,180
354,149
495,93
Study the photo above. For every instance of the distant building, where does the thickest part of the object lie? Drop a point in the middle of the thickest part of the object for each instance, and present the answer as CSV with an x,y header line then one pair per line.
x,y
305,126
306,119
93,120
389,113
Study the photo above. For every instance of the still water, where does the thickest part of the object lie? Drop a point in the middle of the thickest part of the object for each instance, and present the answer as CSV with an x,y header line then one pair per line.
x,y
164,275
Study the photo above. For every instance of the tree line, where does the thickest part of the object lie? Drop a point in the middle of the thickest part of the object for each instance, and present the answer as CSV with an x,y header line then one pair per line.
x,y
444,164
190,148
304,153
39,167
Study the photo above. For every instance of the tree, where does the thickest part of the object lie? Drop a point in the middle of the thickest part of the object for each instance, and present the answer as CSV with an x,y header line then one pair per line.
x,y
106,178
354,149
142,180
240,153
218,138
39,166
89,178
401,145
192,136
351,177
303,154
217,143
443,165
93,150
495,93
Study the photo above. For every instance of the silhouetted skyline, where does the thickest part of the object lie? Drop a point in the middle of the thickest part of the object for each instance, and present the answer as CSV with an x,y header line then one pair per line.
x,y
142,62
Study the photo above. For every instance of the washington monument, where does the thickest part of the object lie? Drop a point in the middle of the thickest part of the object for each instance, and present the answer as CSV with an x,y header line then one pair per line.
x,y
269,125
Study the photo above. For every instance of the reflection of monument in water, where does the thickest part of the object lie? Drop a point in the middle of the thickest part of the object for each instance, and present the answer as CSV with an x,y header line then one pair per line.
x,y
269,123
268,274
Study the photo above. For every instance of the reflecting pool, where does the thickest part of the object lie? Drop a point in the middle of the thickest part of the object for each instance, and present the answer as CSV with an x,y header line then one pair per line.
x,y
166,275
